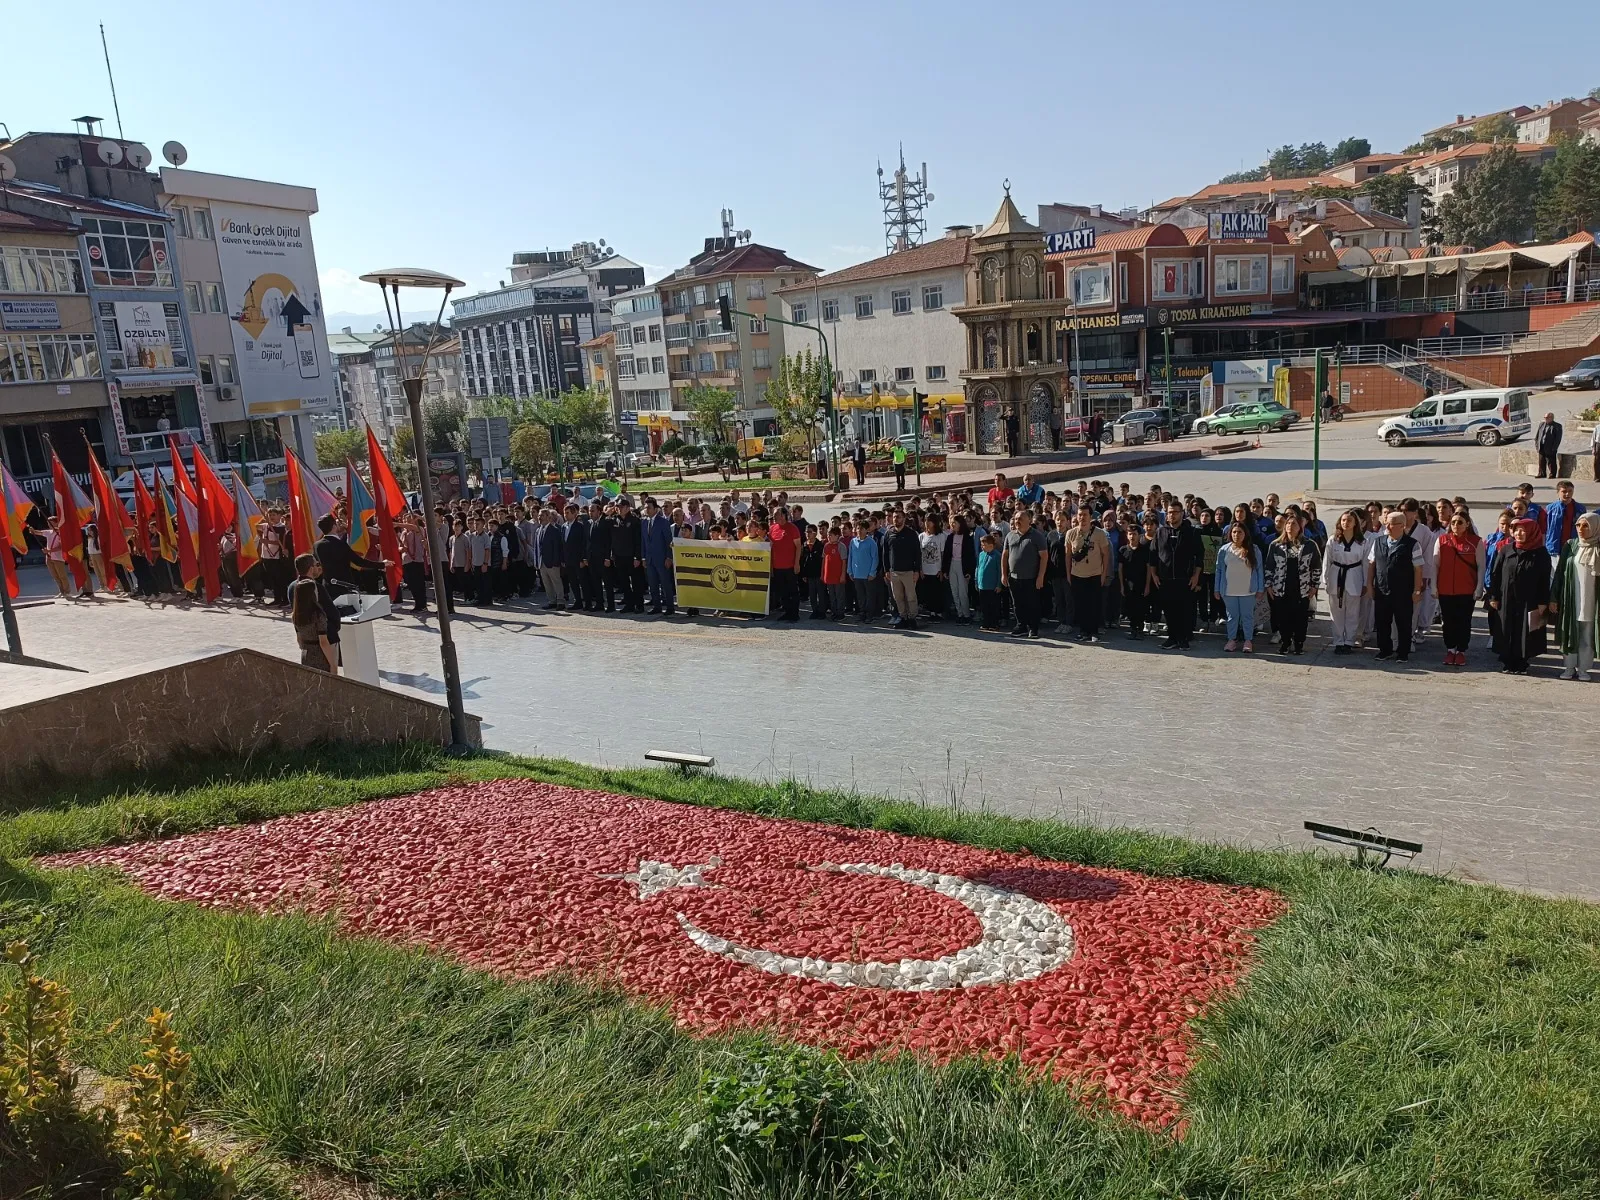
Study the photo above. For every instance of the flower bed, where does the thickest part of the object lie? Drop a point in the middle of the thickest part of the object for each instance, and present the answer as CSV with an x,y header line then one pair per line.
x,y
930,463
860,940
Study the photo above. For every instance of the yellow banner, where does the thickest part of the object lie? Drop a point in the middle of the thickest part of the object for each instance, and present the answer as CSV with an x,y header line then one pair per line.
x,y
1280,386
722,576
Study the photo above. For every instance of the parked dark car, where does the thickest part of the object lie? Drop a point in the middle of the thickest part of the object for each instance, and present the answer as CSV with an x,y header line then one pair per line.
x,y
1585,373
1157,418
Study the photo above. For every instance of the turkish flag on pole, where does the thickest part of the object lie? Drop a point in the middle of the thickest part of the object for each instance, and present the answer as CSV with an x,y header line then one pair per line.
x,y
144,512
70,530
390,502
215,506
110,514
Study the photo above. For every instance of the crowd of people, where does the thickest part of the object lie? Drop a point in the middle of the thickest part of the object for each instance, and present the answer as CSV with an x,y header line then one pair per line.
x,y
1091,561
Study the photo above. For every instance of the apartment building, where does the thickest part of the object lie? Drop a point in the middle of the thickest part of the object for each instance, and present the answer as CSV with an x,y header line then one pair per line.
x,y
1188,212
639,350
357,375
890,331
1438,174
397,357
1353,223
1358,170
52,381
1555,119
699,353
148,388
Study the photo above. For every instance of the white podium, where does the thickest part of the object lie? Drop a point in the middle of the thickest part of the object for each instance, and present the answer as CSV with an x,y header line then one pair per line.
x,y
358,653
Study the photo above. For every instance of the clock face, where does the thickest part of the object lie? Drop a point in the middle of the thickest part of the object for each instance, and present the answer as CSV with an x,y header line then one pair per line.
x,y
991,268
1029,266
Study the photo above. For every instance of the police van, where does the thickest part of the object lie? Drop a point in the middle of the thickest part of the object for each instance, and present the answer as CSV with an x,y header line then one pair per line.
x,y
1487,416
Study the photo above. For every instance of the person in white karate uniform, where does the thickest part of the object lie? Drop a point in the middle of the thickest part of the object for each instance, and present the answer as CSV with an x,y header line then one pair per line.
x,y
1344,576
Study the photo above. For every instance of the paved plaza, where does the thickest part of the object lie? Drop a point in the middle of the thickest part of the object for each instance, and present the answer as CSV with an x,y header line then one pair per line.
x,y
1495,775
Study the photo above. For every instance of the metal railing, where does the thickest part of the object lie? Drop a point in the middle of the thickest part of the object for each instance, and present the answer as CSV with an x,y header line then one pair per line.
x,y
1414,367
1486,301
1458,347
152,443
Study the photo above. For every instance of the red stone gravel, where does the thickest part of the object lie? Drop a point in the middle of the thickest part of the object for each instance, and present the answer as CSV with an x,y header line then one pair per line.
x,y
509,877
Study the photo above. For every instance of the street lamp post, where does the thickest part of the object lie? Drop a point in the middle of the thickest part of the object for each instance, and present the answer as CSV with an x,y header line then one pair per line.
x,y
393,280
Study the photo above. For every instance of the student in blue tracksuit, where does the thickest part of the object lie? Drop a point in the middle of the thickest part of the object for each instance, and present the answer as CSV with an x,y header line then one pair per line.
x,y
861,565
1561,519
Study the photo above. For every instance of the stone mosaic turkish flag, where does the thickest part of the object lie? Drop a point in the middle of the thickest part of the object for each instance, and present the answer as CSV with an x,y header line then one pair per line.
x,y
855,939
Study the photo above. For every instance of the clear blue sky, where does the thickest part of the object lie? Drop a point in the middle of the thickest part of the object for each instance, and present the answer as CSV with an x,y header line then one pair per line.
x,y
451,135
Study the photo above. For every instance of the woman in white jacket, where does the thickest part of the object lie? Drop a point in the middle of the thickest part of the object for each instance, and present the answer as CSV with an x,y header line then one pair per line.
x,y
1344,578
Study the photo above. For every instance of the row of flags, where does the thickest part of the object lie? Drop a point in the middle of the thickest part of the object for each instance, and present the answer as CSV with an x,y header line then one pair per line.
x,y
191,516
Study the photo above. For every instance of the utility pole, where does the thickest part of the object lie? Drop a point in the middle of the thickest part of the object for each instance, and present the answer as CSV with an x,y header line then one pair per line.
x,y
916,426
1320,379
1166,383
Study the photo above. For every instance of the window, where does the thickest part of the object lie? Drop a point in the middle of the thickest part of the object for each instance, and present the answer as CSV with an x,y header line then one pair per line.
x,y
202,224
658,364
900,301
1091,285
678,331
191,297
624,337
761,358
702,328
680,299
699,293
655,333
1242,276
933,373
128,253
800,314
39,269
729,361
904,374
682,364
225,369
214,298
40,358
1122,282
180,216
1455,406
625,366
1283,274
758,324
830,310
756,289
933,296
1484,404
725,288
1173,278
867,376
206,374
863,307
707,361
598,358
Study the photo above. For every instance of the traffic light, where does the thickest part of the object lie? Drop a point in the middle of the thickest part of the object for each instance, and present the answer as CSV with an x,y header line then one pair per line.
x,y
725,307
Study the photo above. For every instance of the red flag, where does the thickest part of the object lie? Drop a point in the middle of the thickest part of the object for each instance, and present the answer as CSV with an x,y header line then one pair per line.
x,y
249,516
14,509
144,512
180,473
215,506
188,521
390,502
110,515
67,496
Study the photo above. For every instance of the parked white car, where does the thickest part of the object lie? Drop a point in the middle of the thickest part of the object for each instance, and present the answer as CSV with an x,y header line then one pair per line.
x,y
1487,416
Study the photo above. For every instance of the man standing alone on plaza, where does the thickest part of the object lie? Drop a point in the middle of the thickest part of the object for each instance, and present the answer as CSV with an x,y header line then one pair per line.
x,y
858,460
1547,441
1179,559
1022,569
1094,431
902,552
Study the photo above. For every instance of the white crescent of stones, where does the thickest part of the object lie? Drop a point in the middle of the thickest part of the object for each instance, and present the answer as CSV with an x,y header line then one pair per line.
x,y
1021,938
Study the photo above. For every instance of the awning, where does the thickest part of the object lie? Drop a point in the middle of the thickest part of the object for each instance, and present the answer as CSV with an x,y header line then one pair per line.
x,y
1342,275
1294,320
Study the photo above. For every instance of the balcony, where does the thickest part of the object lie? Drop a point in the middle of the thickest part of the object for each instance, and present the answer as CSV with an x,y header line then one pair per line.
x,y
156,443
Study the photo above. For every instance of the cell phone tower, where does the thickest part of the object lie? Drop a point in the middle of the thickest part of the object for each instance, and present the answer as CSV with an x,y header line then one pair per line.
x,y
905,204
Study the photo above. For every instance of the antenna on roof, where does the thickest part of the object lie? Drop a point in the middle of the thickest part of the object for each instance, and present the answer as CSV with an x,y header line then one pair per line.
x,y
905,201
112,78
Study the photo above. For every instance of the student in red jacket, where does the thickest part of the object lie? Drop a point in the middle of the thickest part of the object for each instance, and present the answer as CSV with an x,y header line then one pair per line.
x,y
833,571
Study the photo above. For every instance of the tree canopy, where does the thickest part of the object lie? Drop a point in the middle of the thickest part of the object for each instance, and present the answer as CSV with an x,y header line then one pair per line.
x,y
795,393
584,418
711,410
337,445
1493,204
1569,189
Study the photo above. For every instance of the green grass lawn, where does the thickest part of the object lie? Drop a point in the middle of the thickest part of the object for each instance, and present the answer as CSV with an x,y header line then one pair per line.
x,y
1400,1035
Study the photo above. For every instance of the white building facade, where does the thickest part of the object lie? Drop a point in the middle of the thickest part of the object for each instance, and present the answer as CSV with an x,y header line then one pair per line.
x,y
890,332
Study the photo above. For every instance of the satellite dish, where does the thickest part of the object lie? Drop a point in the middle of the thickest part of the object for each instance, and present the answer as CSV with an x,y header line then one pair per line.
x,y
138,156
8,169
175,154
110,153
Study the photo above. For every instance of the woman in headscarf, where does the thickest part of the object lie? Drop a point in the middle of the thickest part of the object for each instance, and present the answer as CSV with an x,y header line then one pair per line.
x,y
1573,602
1519,593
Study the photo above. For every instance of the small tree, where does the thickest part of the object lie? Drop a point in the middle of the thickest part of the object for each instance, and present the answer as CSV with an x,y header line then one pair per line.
x,y
530,449
795,394
444,423
1495,129
1569,189
1390,193
337,445
1493,204
711,410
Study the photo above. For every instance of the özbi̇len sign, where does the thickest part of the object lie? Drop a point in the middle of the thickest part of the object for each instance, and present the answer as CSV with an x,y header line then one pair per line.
x,y
280,340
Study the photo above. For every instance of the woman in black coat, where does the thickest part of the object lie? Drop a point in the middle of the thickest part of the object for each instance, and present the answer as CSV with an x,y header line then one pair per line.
x,y
1519,593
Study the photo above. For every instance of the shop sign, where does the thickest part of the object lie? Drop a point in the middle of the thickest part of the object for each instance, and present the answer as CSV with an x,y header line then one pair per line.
x,y
142,330
1069,241
1134,319
1109,380
1206,312
117,420
29,314
1246,370
1237,227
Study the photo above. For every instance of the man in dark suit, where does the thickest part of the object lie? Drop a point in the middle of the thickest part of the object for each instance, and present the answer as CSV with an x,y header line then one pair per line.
x,y
1179,555
576,550
1547,441
339,562
858,460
